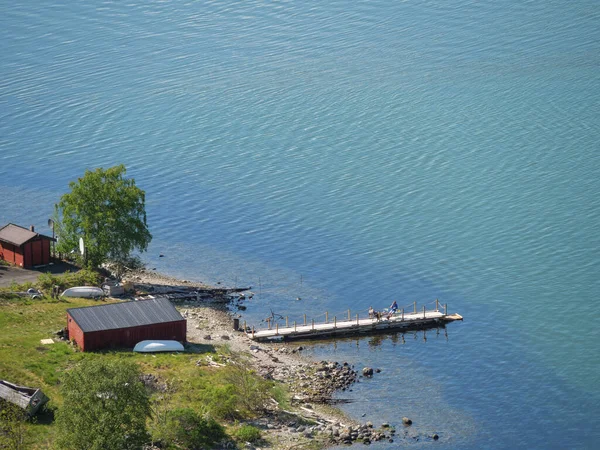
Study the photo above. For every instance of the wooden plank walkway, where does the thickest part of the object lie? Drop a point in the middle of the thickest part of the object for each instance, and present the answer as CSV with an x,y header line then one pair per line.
x,y
398,322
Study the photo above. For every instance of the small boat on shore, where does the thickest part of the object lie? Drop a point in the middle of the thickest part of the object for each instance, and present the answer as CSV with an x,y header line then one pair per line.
x,y
29,399
84,292
158,346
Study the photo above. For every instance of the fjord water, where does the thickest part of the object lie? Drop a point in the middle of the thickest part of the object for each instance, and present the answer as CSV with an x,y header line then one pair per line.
x,y
350,154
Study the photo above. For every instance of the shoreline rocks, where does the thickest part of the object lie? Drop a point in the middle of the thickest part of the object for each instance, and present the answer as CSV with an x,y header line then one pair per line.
x,y
311,383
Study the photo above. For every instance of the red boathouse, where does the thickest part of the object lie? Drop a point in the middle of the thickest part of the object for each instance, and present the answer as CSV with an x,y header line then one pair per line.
x,y
24,247
122,325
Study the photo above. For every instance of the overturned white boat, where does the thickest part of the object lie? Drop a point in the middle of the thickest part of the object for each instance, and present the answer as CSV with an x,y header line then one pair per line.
x,y
84,292
158,346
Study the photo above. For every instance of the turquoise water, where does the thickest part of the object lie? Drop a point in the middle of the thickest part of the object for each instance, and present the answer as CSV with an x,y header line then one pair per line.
x,y
349,153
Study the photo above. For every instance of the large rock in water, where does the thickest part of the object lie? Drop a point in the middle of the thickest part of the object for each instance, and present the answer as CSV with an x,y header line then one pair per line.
x,y
406,421
367,372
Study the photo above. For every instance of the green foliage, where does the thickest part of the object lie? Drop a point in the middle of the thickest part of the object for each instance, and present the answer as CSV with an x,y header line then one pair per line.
x,y
210,391
20,287
12,426
9,294
84,277
281,395
221,402
247,433
252,391
108,211
105,407
119,267
234,392
186,429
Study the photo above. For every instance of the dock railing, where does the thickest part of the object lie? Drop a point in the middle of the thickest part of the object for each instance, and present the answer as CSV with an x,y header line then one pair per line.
x,y
362,318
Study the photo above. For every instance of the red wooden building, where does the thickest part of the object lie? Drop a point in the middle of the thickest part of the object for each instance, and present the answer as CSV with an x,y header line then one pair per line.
x,y
122,325
24,247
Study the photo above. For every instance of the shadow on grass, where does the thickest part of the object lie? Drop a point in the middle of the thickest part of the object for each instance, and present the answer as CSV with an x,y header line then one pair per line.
x,y
190,347
199,348
45,416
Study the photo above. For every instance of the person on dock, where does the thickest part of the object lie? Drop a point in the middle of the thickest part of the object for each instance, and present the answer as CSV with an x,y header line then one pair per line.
x,y
371,312
393,309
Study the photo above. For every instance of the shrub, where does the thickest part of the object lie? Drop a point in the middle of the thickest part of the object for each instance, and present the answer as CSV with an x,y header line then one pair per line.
x,y
105,407
185,428
222,402
234,392
84,277
247,433
251,390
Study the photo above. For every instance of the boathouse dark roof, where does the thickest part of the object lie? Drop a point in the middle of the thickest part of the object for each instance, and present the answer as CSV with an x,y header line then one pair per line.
x,y
125,315
16,235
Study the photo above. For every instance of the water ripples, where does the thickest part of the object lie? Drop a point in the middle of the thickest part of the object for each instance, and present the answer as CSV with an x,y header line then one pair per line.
x,y
373,150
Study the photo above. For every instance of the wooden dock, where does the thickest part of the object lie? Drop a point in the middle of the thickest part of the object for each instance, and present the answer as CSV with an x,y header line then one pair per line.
x,y
400,321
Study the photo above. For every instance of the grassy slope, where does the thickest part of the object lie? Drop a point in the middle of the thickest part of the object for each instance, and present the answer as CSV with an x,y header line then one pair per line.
x,y
24,360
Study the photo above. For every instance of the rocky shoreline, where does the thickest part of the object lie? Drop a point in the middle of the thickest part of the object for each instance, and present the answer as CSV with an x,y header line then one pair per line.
x,y
312,383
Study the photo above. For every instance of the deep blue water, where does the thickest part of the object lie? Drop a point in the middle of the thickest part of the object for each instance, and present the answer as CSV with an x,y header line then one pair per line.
x,y
349,153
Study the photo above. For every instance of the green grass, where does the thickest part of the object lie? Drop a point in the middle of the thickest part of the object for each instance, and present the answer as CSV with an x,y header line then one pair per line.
x,y
24,360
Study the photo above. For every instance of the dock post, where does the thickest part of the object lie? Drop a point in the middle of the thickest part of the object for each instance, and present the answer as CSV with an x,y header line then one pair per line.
x,y
334,322
294,326
326,317
349,316
252,331
357,323
445,309
415,307
269,322
313,324
402,314
286,322
423,311
304,319
437,305
276,329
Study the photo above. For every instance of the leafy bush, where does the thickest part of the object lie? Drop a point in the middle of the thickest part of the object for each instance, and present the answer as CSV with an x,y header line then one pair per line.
x,y
105,407
9,294
252,391
185,428
247,433
84,277
233,392
221,402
